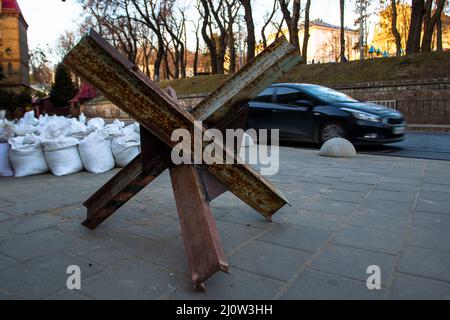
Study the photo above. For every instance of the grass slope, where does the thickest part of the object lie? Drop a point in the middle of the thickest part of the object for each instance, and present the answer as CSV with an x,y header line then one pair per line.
x,y
422,66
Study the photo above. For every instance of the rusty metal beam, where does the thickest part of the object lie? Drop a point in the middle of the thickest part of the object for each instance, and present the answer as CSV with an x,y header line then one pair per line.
x,y
151,107
201,240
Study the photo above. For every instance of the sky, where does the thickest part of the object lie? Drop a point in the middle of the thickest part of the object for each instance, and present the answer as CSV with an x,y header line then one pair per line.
x,y
47,19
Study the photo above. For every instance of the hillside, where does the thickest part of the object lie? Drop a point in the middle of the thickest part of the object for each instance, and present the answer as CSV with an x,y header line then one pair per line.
x,y
422,66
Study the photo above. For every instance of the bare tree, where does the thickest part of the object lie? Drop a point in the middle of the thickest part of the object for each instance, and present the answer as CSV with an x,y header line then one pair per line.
x,y
292,20
415,31
306,34
431,22
395,32
150,14
342,37
251,39
267,21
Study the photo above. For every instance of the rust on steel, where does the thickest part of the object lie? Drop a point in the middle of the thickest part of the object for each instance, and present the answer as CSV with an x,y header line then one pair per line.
x,y
201,239
156,111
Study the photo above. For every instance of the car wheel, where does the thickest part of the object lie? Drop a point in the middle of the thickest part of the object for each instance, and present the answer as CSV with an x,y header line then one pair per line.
x,y
331,130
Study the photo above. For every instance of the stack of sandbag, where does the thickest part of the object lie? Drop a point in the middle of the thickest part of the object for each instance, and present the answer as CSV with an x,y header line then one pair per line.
x,y
126,146
26,155
62,155
6,133
95,152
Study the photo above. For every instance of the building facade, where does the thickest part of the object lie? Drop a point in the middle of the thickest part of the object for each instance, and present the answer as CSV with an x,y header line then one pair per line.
x,y
14,56
324,42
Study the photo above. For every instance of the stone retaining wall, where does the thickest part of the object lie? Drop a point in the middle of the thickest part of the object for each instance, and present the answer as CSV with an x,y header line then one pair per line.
x,y
421,101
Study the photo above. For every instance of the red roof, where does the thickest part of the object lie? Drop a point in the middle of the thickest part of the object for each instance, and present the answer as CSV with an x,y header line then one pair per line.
x,y
11,4
86,92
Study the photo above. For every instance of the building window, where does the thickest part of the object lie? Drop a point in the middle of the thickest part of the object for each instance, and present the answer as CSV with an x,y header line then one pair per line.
x,y
10,68
8,51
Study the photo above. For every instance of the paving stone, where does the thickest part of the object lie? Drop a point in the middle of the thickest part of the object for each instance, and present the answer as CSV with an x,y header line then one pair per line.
x,y
426,263
353,263
25,247
434,195
269,260
425,238
6,262
351,186
407,287
386,207
237,285
245,216
370,239
5,204
315,219
234,235
378,221
31,223
343,195
397,180
432,221
296,237
66,294
442,207
396,187
131,280
400,196
434,187
43,276
159,228
328,206
5,235
313,285
4,216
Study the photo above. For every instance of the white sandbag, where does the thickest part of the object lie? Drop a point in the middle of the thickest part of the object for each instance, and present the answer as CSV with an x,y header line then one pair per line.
x,y
5,165
95,124
55,127
115,129
125,148
62,155
29,118
27,157
95,152
339,148
6,131
22,129
82,118
77,129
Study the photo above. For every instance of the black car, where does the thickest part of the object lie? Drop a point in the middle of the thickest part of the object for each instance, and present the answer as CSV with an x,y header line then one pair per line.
x,y
312,113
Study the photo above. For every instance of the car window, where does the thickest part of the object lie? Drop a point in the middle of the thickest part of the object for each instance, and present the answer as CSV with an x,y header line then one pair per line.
x,y
290,96
265,96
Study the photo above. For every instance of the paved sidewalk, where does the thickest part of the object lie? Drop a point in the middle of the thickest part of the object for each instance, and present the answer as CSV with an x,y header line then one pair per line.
x,y
346,215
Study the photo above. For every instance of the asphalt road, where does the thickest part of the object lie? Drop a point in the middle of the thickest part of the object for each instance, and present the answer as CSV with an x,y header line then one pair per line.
x,y
416,145
434,146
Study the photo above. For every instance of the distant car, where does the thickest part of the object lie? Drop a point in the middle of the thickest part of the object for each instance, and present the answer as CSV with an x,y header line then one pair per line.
x,y
312,113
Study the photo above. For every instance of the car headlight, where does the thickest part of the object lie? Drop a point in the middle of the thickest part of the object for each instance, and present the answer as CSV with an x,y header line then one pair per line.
x,y
363,115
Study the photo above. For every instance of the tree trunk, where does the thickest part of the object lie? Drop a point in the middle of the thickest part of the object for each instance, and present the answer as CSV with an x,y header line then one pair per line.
x,y
292,21
306,34
430,23
439,33
342,11
397,36
415,30
209,43
251,40
158,60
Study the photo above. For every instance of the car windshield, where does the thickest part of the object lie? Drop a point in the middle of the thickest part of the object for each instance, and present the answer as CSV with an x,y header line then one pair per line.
x,y
328,94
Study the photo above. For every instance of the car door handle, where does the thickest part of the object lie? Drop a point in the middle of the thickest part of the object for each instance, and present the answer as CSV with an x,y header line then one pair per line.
x,y
274,110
